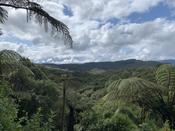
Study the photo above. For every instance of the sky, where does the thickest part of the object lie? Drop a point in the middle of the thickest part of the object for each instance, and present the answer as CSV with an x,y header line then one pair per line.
x,y
102,30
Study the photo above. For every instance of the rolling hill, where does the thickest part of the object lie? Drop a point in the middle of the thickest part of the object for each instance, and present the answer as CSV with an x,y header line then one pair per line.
x,y
131,63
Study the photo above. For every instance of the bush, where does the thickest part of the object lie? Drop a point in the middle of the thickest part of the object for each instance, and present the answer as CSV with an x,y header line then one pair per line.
x,y
106,121
9,120
8,112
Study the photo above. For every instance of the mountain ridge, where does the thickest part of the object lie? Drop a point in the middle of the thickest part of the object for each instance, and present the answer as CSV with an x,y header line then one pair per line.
x,y
168,61
123,64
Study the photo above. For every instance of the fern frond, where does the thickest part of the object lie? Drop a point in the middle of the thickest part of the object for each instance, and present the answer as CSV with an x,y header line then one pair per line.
x,y
10,61
3,15
165,76
34,9
136,90
1,32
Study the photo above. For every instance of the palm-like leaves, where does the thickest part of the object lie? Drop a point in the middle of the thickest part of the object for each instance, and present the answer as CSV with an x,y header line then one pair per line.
x,y
165,76
158,97
34,9
133,90
10,62
3,15
0,32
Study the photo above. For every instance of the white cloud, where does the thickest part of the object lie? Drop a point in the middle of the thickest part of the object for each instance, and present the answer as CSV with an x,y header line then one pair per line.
x,y
92,40
105,9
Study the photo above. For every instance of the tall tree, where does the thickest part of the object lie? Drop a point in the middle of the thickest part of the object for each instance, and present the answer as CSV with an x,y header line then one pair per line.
x,y
34,9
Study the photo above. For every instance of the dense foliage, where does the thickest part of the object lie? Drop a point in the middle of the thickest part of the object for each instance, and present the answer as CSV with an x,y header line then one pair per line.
x,y
39,98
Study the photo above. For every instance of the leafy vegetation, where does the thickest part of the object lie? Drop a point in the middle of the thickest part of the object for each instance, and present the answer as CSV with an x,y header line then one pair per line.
x,y
33,97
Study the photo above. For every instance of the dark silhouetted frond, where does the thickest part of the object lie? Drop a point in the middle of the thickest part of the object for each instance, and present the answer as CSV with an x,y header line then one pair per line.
x,y
1,32
3,15
34,9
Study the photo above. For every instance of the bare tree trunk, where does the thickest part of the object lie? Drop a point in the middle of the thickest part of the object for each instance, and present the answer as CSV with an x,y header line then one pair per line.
x,y
71,121
63,106
1,73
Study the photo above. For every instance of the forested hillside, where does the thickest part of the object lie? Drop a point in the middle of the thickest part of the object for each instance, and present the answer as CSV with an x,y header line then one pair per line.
x,y
41,98
124,64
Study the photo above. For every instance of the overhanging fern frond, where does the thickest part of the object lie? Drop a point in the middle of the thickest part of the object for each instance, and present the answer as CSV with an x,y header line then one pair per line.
x,y
0,32
3,15
34,9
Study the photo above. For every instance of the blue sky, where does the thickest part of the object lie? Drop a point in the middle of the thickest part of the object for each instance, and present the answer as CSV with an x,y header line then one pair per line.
x,y
14,39
67,11
161,10
106,30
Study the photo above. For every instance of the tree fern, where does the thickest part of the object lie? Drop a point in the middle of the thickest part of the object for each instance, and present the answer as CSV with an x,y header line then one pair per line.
x,y
3,15
10,62
34,9
157,97
165,76
133,90
0,32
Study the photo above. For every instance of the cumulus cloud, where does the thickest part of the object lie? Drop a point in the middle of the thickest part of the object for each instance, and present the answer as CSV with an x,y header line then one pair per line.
x,y
105,9
95,37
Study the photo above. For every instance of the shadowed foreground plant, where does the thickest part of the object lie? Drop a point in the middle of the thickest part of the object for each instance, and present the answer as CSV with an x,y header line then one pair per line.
x,y
9,120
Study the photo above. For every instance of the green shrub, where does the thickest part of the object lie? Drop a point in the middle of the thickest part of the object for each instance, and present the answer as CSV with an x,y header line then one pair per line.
x,y
106,121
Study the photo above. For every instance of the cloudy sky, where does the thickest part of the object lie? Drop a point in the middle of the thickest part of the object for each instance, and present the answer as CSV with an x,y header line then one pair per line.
x,y
102,30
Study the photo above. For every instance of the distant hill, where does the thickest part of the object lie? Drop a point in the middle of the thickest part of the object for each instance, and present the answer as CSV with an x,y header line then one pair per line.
x,y
132,63
170,61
